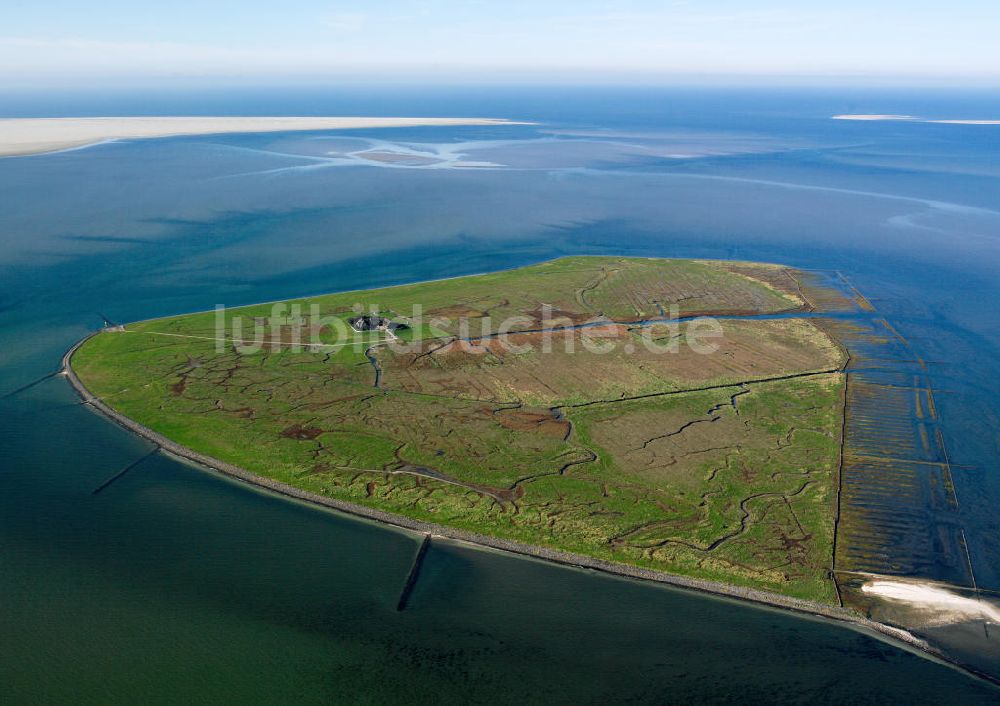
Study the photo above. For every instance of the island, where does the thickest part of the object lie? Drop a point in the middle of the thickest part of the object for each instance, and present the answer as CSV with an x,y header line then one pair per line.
x,y
652,417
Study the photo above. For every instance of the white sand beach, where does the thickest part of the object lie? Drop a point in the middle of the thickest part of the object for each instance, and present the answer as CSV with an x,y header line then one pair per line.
x,y
914,119
939,605
24,136
965,122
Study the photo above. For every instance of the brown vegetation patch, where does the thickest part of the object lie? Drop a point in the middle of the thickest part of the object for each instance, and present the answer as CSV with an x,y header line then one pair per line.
x,y
606,362
301,433
778,278
550,316
541,422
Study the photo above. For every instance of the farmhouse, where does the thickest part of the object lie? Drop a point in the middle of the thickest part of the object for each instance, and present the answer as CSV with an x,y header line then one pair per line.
x,y
370,322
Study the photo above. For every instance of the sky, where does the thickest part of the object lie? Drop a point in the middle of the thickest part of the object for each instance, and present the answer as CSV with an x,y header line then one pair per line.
x,y
641,40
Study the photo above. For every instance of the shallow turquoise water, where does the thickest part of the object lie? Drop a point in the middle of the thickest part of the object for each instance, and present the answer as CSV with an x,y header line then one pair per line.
x,y
175,584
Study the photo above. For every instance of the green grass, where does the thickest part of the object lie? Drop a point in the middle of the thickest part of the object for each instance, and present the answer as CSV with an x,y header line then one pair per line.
x,y
686,482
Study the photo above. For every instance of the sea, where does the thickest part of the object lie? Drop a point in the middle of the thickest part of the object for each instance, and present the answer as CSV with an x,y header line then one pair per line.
x,y
174,584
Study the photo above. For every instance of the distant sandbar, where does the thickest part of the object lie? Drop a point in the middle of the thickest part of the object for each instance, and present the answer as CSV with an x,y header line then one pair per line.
x,y
867,117
24,136
914,119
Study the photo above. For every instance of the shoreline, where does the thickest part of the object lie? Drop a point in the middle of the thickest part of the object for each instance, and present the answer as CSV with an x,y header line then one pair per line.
x,y
23,137
901,638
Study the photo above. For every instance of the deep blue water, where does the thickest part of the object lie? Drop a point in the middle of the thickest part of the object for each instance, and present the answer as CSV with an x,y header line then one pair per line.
x,y
175,583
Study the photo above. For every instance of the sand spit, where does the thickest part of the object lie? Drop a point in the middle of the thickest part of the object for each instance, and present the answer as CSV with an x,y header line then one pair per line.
x,y
865,117
934,603
24,136
965,122
914,119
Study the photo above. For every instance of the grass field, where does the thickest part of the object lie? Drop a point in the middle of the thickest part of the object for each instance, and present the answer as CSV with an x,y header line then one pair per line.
x,y
597,427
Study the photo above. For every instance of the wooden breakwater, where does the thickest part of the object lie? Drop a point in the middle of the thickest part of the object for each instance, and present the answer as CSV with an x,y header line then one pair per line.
x,y
123,471
28,386
411,578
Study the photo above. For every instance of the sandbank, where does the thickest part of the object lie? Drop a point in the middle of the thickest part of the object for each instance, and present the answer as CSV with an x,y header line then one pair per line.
x,y
26,136
913,119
